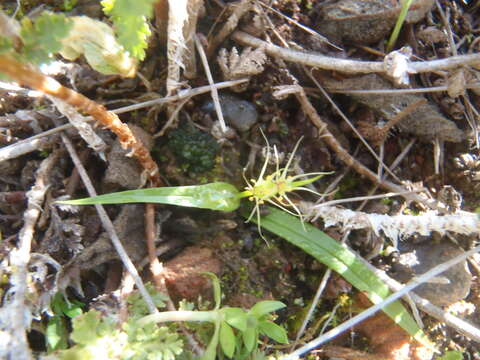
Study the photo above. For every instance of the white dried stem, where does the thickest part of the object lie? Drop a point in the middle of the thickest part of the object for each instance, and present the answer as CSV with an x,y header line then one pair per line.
x,y
437,270
352,66
451,320
109,228
216,100
177,17
15,317
240,9
394,227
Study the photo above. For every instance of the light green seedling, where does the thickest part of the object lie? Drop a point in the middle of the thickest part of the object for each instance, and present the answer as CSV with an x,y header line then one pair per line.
x,y
222,196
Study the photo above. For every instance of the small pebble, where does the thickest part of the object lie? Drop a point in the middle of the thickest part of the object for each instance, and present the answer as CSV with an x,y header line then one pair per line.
x,y
240,114
450,286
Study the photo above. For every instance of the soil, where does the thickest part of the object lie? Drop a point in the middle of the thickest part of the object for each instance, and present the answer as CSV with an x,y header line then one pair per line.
x,y
191,241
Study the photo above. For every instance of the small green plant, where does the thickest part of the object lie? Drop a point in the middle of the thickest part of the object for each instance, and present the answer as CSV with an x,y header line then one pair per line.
x,y
74,36
102,336
56,332
272,189
221,196
236,331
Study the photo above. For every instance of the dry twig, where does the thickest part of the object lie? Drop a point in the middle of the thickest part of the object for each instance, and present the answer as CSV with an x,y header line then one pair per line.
x,y
36,142
15,316
437,270
351,66
27,76
109,228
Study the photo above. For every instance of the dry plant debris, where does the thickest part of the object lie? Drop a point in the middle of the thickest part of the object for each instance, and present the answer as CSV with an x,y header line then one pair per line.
x,y
445,39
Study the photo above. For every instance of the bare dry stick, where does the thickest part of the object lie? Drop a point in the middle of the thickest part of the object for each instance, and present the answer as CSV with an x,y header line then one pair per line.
x,y
240,9
437,270
15,317
349,160
351,66
453,321
32,78
35,142
215,98
109,228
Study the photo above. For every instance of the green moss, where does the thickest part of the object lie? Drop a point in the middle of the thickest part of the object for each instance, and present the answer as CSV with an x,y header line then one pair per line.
x,y
194,149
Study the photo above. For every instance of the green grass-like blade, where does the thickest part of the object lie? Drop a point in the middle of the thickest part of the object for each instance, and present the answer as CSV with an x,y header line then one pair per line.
x,y
215,196
340,259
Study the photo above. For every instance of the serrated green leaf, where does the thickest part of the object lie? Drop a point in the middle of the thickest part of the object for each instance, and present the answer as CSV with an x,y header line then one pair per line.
x,y
235,317
130,21
215,196
273,331
265,307
96,41
227,339
339,258
44,37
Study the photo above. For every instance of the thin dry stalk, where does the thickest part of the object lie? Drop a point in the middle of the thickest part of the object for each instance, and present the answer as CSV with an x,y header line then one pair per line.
x,y
32,78
453,321
351,66
349,160
229,26
216,100
15,316
109,228
36,142
437,270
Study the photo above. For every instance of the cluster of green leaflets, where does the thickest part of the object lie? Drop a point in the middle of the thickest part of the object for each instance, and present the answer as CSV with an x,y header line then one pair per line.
x,y
100,336
130,22
55,33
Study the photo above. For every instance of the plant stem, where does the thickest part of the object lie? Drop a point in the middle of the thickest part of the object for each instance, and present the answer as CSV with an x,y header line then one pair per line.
x,y
170,316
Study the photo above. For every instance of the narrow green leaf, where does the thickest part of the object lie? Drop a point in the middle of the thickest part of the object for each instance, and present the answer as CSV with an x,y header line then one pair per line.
x,y
235,317
227,339
217,292
341,259
265,307
273,331
250,338
215,196
211,351
398,25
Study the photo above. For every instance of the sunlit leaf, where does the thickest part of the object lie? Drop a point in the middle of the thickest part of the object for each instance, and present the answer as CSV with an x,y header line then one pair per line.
x,y
215,196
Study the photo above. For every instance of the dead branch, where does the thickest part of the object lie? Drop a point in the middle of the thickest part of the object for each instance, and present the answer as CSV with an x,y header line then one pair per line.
x,y
348,159
15,317
434,311
437,270
25,75
240,9
351,66
394,227
36,142
109,228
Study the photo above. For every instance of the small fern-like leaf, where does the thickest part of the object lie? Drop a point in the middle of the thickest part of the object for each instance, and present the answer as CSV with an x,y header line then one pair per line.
x,y
44,37
130,21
